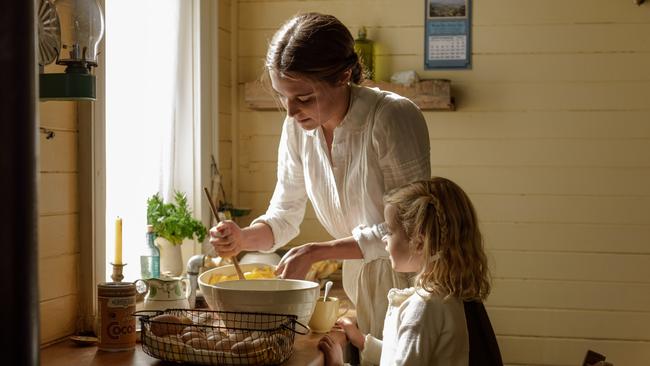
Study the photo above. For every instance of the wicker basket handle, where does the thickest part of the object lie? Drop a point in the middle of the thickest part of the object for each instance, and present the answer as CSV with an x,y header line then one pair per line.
x,y
147,313
306,328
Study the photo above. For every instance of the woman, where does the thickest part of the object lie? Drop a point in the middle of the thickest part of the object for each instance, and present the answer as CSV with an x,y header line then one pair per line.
x,y
342,147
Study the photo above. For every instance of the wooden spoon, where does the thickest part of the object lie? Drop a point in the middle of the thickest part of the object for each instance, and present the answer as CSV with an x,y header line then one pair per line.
x,y
213,208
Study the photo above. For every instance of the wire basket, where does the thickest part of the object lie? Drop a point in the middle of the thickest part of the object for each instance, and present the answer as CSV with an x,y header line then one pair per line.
x,y
207,337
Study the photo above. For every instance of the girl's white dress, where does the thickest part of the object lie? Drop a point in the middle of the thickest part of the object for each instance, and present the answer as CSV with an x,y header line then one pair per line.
x,y
420,329
382,143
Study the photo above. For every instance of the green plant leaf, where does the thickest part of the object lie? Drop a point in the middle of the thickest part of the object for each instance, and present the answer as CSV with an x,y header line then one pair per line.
x,y
174,221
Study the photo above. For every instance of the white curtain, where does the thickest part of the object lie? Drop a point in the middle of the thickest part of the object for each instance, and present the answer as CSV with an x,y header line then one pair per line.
x,y
176,168
149,115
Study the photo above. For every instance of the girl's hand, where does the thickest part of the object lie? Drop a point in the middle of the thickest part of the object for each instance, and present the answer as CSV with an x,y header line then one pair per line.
x,y
353,333
227,239
296,263
332,350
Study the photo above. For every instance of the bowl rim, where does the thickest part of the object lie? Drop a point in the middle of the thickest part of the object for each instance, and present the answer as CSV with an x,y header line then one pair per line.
x,y
313,285
244,267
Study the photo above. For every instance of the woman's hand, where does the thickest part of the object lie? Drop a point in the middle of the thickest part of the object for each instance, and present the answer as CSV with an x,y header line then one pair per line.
x,y
227,239
332,350
296,263
353,333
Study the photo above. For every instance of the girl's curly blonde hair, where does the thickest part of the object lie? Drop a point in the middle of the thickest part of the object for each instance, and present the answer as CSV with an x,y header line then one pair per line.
x,y
441,223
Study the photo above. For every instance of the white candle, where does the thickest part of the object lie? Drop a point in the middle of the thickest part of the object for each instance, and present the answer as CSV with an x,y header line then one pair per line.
x,y
118,241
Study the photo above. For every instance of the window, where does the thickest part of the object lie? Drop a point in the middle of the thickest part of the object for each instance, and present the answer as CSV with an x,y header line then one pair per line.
x,y
150,115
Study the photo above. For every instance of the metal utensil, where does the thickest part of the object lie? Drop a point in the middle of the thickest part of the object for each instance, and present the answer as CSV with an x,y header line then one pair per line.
x,y
328,287
213,208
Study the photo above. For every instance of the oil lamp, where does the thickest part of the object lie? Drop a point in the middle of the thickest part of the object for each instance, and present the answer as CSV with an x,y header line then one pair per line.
x,y
79,25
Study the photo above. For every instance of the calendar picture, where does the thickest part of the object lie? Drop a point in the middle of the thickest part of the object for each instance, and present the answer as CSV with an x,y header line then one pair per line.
x,y
447,41
447,8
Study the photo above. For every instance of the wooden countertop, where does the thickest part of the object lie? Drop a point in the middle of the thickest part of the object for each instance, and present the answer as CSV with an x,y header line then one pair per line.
x,y
65,353
305,353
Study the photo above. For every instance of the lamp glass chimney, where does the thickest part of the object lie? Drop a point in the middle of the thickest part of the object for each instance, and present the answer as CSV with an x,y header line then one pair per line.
x,y
82,28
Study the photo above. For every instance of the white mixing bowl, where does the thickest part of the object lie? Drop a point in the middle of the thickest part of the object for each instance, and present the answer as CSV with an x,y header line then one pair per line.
x,y
276,296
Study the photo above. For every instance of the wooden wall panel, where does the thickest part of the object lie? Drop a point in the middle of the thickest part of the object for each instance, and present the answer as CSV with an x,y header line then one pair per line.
x,y
225,126
538,152
260,124
58,153
570,237
224,70
58,235
550,139
258,177
588,124
571,323
58,318
551,12
575,180
61,115
58,242
566,209
512,40
625,268
58,276
555,351
225,14
224,50
272,14
224,97
58,194
607,295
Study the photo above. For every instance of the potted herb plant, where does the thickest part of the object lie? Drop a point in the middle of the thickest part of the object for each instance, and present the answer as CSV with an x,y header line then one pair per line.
x,y
172,222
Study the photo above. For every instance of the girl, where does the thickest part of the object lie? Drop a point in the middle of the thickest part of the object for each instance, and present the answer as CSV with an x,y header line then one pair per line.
x,y
342,146
431,229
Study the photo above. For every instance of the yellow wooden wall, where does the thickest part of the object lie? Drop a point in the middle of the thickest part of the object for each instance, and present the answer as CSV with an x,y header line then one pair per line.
x,y
551,140
58,243
224,98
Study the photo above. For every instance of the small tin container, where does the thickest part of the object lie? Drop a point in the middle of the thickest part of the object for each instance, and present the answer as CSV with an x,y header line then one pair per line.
x,y
116,302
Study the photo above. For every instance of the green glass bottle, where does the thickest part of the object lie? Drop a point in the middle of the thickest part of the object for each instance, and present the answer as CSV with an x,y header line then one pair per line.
x,y
365,49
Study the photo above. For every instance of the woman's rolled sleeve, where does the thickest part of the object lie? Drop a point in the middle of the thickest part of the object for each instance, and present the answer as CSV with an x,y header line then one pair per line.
x,y
370,243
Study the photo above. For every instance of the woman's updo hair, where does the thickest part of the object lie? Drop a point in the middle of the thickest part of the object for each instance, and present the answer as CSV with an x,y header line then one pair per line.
x,y
316,46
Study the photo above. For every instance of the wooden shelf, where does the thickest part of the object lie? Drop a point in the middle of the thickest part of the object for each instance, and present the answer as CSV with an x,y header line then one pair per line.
x,y
433,94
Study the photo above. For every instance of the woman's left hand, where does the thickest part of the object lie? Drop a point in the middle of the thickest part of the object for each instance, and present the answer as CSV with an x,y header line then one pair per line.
x,y
296,263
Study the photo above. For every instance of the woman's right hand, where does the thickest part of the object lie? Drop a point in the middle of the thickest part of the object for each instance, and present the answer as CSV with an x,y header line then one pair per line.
x,y
227,239
295,264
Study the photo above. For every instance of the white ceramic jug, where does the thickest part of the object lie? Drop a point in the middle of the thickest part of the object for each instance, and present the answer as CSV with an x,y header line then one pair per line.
x,y
163,293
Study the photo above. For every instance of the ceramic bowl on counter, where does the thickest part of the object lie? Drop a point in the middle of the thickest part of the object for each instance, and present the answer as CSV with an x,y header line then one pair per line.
x,y
276,296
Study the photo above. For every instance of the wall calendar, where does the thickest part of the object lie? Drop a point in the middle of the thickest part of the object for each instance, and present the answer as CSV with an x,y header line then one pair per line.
x,y
447,39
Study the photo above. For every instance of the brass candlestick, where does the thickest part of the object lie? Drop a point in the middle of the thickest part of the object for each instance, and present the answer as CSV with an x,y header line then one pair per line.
x,y
117,275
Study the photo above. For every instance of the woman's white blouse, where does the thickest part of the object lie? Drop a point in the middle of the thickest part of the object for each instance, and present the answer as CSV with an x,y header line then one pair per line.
x,y
382,143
